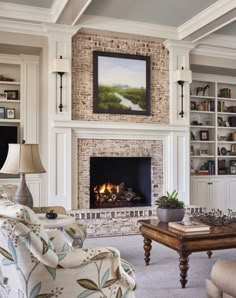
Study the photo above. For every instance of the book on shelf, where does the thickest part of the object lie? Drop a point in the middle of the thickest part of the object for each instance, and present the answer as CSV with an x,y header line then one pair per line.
x,y
189,226
225,92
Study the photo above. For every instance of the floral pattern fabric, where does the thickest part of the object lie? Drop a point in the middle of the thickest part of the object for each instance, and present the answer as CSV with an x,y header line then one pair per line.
x,y
32,266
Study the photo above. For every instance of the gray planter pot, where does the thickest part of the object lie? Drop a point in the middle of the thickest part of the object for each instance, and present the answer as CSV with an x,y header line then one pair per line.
x,y
167,215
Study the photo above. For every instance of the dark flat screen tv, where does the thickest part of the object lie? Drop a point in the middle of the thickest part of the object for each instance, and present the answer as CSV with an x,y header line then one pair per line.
x,y
8,134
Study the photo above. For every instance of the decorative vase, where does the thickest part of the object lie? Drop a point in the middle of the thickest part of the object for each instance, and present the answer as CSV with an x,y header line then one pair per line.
x,y
167,215
51,215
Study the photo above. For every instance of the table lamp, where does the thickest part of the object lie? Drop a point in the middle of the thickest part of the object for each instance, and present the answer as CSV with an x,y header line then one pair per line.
x,y
23,159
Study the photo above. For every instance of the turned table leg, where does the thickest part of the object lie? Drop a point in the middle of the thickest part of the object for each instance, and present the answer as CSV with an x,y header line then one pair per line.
x,y
147,248
183,266
209,253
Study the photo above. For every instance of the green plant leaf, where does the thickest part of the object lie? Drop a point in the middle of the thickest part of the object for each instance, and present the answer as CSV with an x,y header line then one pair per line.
x,y
6,254
105,277
45,296
45,246
7,262
100,256
12,250
27,240
88,284
119,293
36,289
52,271
86,294
110,282
61,256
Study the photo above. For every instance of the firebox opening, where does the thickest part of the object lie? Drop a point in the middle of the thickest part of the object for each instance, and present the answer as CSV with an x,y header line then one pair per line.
x,y
120,182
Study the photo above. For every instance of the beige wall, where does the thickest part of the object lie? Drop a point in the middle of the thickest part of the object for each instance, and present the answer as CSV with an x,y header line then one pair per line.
x,y
84,44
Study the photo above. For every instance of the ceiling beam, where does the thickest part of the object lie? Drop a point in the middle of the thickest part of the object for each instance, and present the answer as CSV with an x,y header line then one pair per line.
x,y
73,11
211,19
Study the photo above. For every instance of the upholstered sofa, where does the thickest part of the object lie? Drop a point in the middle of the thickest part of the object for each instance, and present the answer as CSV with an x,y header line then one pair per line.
x,y
222,282
34,263
75,232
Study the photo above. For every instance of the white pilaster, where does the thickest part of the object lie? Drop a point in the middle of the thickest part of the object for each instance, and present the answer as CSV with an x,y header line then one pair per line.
x,y
59,141
178,58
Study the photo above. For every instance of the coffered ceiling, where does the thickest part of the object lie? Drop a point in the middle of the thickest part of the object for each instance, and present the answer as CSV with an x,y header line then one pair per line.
x,y
190,20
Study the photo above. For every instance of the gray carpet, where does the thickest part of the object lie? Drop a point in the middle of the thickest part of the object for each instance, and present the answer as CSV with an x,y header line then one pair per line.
x,y
161,278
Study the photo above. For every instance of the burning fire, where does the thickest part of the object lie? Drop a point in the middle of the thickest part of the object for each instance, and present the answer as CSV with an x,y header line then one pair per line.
x,y
106,187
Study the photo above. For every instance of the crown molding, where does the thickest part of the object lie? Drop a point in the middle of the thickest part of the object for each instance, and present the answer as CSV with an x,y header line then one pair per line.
x,y
36,29
124,26
61,29
20,27
210,14
211,51
26,13
57,8
187,45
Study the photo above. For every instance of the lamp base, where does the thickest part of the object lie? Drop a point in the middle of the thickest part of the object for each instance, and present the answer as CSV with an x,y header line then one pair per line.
x,y
23,195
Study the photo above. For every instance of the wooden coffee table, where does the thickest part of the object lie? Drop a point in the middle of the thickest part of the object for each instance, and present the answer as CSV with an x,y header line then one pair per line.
x,y
222,237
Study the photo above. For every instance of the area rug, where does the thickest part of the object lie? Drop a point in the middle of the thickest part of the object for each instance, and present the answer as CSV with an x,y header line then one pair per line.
x,y
161,278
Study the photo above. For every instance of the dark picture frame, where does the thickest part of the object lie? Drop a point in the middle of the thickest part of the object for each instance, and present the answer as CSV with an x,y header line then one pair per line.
x,y
204,135
121,83
12,94
10,113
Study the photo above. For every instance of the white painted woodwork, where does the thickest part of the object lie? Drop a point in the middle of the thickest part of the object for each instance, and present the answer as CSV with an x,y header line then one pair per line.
x,y
200,192
213,192
64,168
231,190
218,193
30,93
27,79
178,58
60,169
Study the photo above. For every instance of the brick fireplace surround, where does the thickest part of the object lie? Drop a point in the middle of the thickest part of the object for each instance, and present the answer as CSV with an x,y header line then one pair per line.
x,y
117,135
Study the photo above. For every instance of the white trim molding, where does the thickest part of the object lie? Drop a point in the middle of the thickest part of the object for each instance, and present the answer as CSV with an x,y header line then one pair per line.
x,y
129,27
175,154
204,18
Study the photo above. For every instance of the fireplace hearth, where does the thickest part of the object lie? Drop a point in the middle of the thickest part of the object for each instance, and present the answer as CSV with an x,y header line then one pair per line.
x,y
120,182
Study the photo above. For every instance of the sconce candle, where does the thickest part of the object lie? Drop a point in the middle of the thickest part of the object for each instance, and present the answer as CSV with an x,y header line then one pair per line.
x,y
61,66
181,76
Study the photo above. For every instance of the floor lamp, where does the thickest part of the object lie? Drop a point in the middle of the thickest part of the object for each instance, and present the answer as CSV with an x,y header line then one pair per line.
x,y
23,159
181,76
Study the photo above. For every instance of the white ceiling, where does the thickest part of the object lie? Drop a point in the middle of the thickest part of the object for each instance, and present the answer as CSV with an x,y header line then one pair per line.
x,y
190,20
162,12
36,3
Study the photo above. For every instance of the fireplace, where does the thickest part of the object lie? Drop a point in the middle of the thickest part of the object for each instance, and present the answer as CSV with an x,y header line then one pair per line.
x,y
120,182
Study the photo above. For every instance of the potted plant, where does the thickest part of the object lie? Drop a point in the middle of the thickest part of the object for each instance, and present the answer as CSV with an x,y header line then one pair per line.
x,y
169,207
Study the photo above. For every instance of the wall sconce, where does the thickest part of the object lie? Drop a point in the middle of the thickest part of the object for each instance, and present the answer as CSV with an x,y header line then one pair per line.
x,y
181,76
61,66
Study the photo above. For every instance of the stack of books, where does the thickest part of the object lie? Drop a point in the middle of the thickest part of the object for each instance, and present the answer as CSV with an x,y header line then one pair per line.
x,y
225,92
189,226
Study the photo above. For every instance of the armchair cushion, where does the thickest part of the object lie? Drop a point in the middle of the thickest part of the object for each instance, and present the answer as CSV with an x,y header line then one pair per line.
x,y
222,280
30,268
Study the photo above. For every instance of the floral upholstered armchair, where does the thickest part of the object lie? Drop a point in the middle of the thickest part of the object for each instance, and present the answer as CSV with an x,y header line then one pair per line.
x,y
75,232
36,264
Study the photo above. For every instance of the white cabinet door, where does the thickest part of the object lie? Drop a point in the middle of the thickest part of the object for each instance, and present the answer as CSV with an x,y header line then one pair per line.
x,y
231,187
218,193
201,190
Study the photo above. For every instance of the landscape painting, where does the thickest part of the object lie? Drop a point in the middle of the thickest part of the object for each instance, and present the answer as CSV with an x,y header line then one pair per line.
x,y
121,83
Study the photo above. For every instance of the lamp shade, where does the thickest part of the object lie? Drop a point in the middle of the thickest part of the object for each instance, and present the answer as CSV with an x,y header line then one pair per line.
x,y
23,158
183,75
61,65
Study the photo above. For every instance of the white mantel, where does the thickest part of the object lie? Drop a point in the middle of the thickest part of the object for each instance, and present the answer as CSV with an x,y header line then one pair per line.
x,y
63,189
